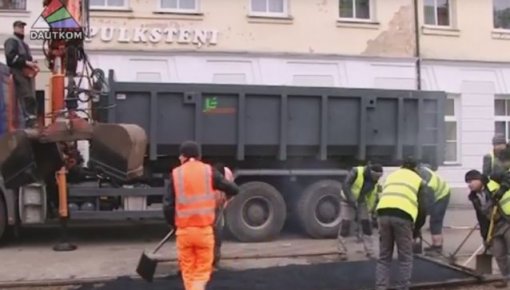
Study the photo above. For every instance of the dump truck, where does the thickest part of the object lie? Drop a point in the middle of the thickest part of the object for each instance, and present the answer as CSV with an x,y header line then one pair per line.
x,y
289,146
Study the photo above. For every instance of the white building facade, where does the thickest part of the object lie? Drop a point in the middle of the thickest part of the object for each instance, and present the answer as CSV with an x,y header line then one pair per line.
x,y
343,43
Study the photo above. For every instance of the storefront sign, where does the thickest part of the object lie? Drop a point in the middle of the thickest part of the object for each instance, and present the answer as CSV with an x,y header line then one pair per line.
x,y
182,36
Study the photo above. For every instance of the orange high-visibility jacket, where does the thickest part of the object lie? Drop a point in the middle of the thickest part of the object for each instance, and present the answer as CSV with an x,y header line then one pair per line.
x,y
195,200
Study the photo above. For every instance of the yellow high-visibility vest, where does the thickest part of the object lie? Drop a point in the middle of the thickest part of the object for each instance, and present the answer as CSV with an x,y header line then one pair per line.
x,y
400,191
439,186
357,185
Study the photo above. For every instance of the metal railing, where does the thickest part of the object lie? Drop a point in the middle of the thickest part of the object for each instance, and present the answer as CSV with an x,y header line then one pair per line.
x,y
13,4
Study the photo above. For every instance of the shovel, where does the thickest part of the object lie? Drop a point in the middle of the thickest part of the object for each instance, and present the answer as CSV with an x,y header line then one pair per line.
x,y
147,265
453,257
484,260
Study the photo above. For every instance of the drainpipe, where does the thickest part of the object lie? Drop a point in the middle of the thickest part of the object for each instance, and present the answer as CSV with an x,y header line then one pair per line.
x,y
417,53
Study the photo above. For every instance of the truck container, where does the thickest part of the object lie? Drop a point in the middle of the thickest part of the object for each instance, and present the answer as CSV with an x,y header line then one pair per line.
x,y
289,148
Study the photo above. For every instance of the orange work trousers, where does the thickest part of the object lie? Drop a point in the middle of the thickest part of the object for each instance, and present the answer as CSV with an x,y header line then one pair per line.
x,y
195,251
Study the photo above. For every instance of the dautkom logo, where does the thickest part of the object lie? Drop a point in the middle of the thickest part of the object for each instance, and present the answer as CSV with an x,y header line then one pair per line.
x,y
56,23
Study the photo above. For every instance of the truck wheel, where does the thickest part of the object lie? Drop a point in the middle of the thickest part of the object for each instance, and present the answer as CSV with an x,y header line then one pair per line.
x,y
318,209
257,213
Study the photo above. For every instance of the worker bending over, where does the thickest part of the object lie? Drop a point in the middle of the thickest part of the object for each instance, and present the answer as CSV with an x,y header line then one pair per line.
x,y
358,200
221,202
401,213
499,241
491,162
438,209
481,190
190,206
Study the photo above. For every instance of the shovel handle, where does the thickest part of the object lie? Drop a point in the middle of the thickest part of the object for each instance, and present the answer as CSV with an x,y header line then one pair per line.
x,y
163,241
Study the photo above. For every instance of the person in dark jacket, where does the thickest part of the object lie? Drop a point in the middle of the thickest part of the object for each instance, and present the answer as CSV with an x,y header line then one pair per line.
x,y
492,162
219,223
481,190
19,57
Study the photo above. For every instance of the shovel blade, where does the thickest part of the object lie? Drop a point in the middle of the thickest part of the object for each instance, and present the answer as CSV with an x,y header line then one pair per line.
x,y
146,267
484,264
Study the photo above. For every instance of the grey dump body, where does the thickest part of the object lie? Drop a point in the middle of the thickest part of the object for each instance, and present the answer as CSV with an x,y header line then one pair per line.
x,y
248,122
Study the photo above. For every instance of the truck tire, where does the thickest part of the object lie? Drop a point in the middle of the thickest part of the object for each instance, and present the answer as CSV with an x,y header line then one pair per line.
x,y
257,213
318,209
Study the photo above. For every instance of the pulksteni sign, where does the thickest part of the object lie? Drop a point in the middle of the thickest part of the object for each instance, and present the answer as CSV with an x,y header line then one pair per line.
x,y
183,36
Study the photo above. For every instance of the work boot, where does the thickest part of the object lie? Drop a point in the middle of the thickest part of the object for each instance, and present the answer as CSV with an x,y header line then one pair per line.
x,y
437,249
501,284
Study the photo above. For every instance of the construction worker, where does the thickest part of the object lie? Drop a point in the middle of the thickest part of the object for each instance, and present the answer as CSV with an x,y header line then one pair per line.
x,y
189,206
499,238
438,209
401,211
358,200
481,190
491,162
221,201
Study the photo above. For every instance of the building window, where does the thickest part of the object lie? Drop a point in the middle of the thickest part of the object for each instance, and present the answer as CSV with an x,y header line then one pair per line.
x,y
13,5
502,116
452,152
437,12
179,5
269,7
501,14
108,4
355,9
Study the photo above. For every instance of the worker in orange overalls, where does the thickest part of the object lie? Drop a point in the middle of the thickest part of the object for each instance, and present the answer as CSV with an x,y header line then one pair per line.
x,y
189,206
221,204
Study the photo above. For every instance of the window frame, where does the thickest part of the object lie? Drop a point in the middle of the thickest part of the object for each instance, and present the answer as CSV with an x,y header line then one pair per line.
x,y
451,5
494,20
284,14
371,12
454,118
179,10
125,6
25,7
505,118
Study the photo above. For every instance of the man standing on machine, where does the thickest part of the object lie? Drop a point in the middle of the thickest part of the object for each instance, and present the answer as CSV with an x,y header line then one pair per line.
x,y
23,70
359,197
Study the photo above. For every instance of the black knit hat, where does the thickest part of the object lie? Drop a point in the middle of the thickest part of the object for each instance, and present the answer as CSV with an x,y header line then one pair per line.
x,y
190,149
473,175
498,140
376,168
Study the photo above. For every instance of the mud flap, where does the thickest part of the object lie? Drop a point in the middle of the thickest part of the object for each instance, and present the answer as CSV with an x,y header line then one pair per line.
x,y
24,160
118,150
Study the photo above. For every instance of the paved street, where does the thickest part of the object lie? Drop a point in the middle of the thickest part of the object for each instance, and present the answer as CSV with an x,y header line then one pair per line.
x,y
114,250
